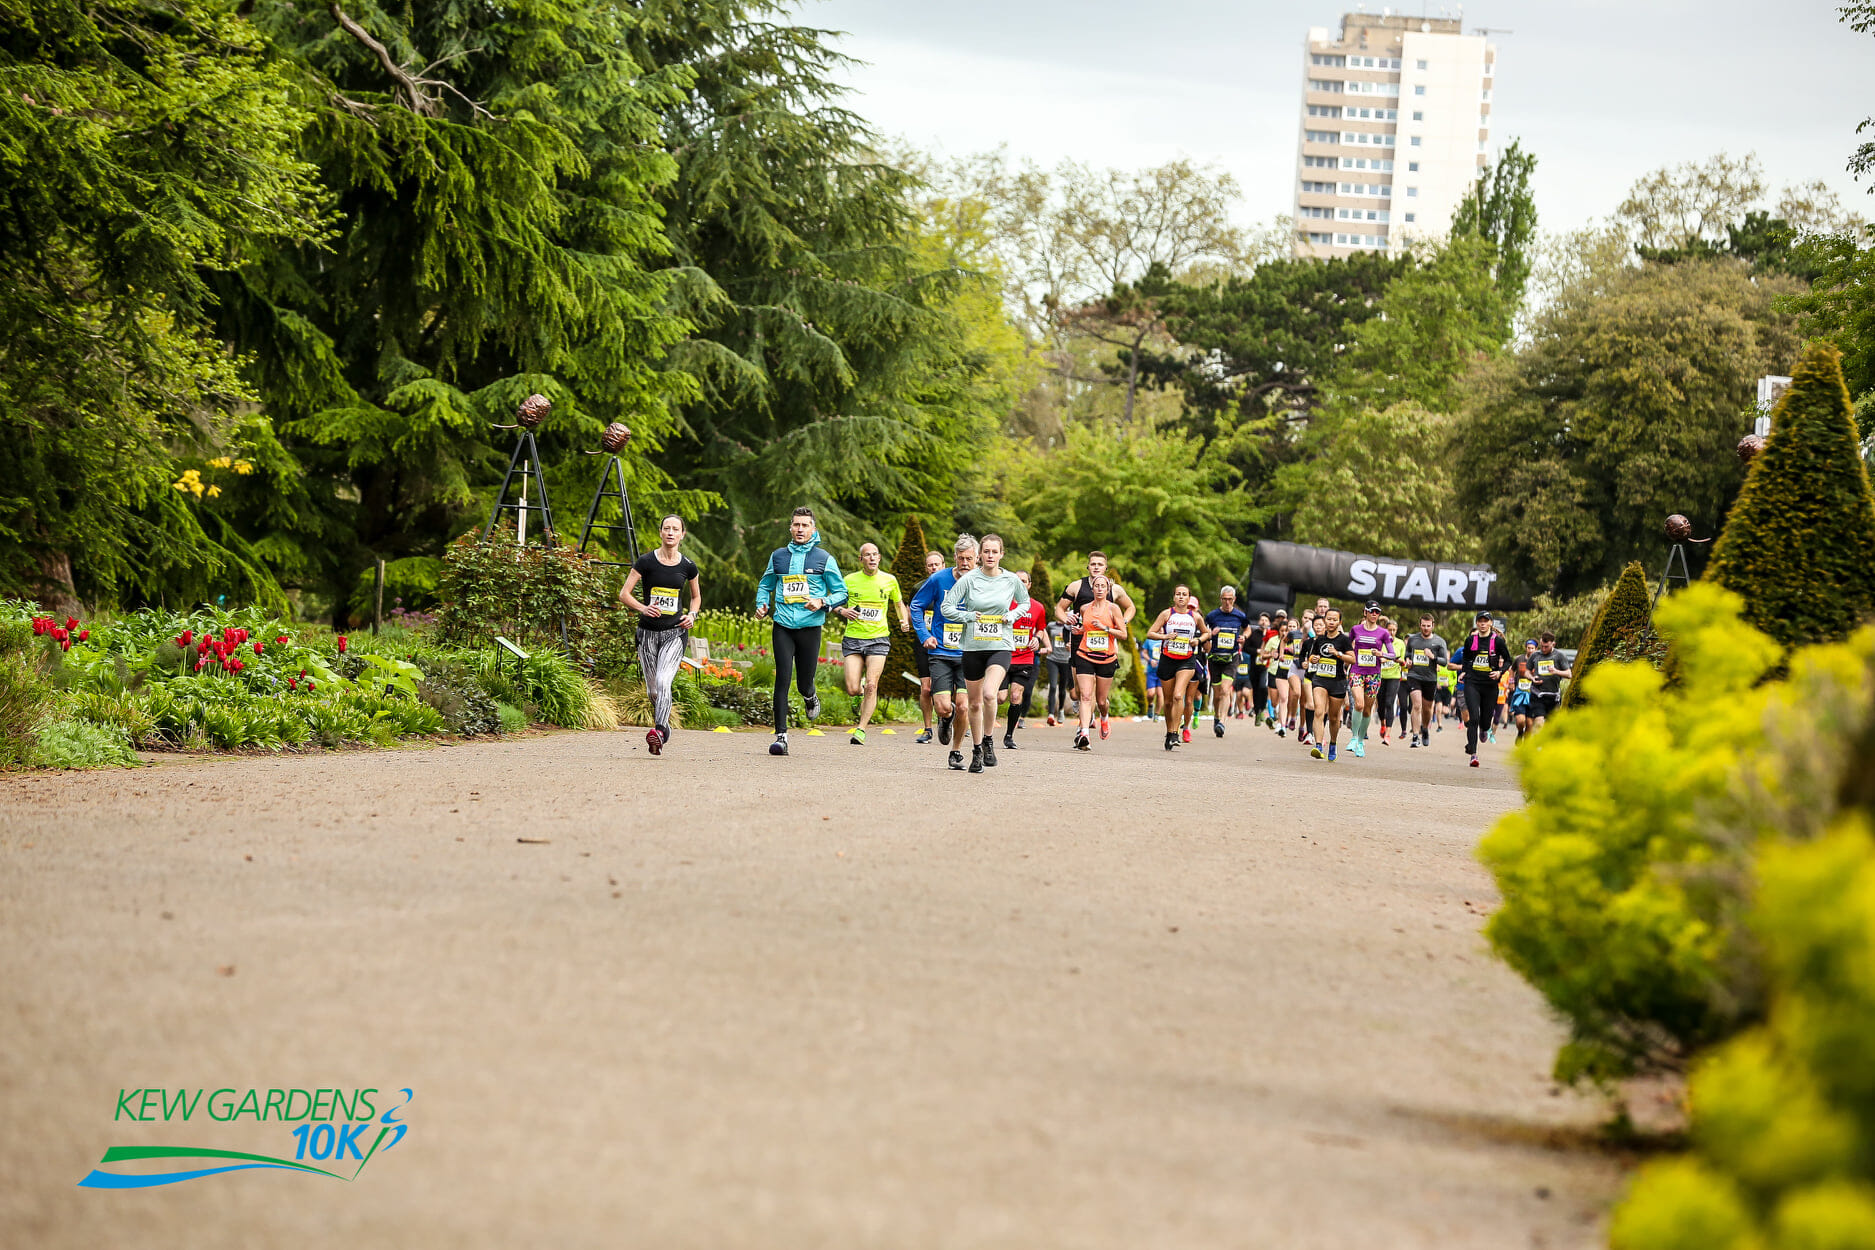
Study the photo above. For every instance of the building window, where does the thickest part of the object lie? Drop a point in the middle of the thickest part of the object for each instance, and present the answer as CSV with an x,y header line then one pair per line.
x,y
1325,84
1321,238
1331,61
1415,140
1412,167
1318,188
1410,216
1341,238
1308,210
1321,162
1321,136
1412,192
1324,110
1420,90
1422,65
1418,115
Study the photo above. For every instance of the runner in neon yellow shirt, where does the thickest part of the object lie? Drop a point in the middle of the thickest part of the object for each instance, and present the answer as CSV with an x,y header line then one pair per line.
x,y
870,595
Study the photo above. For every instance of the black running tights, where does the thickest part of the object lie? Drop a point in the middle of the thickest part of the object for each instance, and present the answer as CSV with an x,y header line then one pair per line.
x,y
1480,705
797,657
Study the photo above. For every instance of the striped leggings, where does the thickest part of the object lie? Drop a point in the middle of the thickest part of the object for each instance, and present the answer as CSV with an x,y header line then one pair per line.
x,y
659,651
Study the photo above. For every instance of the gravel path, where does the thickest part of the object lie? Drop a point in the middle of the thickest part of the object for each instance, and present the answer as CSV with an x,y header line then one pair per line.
x,y
1231,997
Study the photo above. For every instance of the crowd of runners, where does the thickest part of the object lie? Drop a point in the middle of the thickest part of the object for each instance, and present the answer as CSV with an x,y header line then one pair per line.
x,y
983,645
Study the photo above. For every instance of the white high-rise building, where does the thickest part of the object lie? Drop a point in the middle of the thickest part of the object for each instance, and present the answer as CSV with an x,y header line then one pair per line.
x,y
1396,121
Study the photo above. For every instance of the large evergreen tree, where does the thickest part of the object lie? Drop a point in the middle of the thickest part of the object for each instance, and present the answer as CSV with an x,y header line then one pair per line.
x,y
146,145
1799,544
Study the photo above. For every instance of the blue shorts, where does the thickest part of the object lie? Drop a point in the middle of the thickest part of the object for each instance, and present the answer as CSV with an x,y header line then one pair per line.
x,y
1152,678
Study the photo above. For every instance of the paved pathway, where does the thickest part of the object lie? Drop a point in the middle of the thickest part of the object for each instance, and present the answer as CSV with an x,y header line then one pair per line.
x,y
1231,997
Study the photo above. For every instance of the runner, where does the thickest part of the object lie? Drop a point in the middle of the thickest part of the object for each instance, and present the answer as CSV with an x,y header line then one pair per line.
x,y
1370,641
1277,662
980,601
1480,660
1182,631
1391,673
1250,686
665,572
942,641
1448,695
1060,672
1146,655
802,581
1030,627
1522,706
1550,669
1228,624
1295,641
933,561
1330,655
1080,592
868,639
1097,655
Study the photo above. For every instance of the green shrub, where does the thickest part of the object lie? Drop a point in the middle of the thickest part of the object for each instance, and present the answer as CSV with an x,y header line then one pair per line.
x,y
529,595
512,721
1623,614
555,688
465,706
1625,876
22,697
80,744
908,567
130,712
1799,544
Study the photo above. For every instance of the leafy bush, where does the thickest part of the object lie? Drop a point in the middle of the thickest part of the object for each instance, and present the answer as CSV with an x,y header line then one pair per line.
x,y
80,744
1625,877
466,708
908,567
512,720
22,695
529,595
1799,544
1625,612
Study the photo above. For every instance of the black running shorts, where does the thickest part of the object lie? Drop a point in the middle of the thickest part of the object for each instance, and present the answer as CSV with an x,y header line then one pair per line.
x,y
947,673
977,663
1336,689
1084,665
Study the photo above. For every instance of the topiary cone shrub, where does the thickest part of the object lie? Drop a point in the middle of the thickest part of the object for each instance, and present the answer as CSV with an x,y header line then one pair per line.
x,y
1799,544
908,567
1623,615
1041,587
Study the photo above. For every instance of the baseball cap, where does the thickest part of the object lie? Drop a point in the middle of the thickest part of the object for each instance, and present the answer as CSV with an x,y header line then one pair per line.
x,y
1373,605
1484,616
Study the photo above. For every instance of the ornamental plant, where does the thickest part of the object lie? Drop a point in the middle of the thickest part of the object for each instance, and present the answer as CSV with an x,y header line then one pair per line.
x,y
908,567
1799,544
1626,875
1621,618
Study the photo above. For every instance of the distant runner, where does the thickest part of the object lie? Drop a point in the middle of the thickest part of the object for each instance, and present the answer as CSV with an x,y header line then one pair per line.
x,y
802,581
870,594
666,573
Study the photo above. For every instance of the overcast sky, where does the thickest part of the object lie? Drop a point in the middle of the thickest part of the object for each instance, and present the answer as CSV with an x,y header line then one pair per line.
x,y
1601,91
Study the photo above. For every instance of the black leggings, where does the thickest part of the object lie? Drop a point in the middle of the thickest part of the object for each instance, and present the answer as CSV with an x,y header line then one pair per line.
x,y
1389,699
1259,690
797,656
1480,706
1060,684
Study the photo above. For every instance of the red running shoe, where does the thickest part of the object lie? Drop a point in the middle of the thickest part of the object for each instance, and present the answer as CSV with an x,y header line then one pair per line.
x,y
1186,734
1051,721
654,742
1103,729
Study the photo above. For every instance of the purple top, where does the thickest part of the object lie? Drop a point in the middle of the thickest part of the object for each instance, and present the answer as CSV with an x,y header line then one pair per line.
x,y
1369,646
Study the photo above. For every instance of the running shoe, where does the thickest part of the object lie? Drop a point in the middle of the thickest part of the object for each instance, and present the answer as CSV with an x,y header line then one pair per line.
x,y
989,754
654,742
779,746
1359,749
957,760
1414,742
1279,731
812,703
1103,729
1051,720
859,737
1383,737
1474,761
1217,727
1080,741
1440,726
1171,740
1331,753
976,759
1491,736
1009,743
1185,735
1317,752
944,730
924,737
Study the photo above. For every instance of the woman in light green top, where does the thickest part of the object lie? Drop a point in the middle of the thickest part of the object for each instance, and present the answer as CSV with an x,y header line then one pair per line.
x,y
984,599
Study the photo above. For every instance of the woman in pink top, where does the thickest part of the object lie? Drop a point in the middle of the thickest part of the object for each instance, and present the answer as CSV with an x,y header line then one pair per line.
x,y
1103,630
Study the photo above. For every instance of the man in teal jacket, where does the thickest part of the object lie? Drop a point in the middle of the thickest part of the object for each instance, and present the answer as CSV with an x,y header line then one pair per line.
x,y
802,581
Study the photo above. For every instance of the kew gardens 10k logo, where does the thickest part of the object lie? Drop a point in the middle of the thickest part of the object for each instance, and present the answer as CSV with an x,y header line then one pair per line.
x,y
340,1128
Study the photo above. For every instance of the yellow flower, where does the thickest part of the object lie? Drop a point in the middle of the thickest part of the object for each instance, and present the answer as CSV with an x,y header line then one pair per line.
x,y
219,462
214,491
243,467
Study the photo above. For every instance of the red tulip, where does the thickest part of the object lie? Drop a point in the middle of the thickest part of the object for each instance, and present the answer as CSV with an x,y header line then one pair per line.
x,y
292,683
257,647
309,687
302,674
84,635
188,636
65,644
71,622
341,644
282,640
199,663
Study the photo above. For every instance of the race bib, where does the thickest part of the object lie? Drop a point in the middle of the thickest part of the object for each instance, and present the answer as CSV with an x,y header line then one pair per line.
x,y
1226,639
1481,662
1178,648
869,613
794,588
953,635
1097,641
1545,667
1024,637
1324,667
1523,683
1243,670
1366,657
992,628
1280,668
1423,659
663,598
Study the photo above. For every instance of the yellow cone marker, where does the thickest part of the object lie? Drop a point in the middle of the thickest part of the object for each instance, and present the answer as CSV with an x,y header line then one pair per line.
x,y
815,733
888,731
720,729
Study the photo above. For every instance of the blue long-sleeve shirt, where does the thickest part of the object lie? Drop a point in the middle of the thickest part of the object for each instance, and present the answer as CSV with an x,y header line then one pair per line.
x,y
788,584
925,609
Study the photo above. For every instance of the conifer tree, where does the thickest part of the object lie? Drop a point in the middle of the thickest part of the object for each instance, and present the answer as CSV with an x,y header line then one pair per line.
x,y
1041,587
908,567
1799,544
1628,609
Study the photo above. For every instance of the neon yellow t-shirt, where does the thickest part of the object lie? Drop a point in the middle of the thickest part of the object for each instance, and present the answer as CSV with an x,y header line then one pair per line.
x,y
872,596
